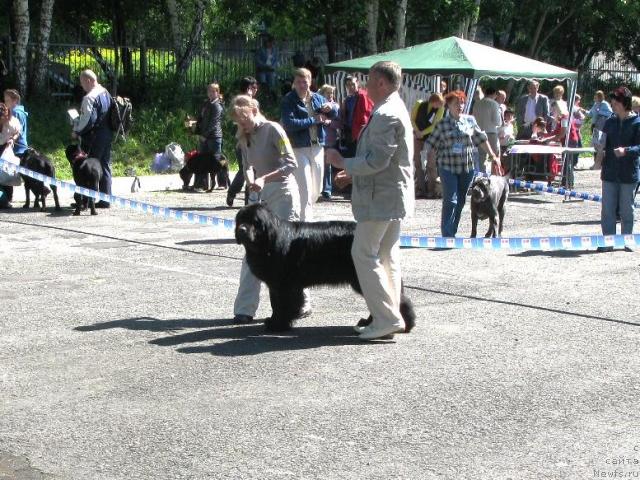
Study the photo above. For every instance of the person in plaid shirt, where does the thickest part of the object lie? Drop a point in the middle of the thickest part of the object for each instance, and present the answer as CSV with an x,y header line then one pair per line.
x,y
453,143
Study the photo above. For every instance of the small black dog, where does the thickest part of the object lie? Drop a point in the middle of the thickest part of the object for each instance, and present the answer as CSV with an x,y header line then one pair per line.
x,y
206,163
87,173
34,160
488,200
291,256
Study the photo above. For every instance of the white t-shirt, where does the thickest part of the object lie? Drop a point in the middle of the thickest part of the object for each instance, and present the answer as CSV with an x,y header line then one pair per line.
x,y
505,134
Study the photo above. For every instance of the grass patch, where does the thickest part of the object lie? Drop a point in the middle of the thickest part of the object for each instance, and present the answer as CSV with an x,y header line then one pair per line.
x,y
154,127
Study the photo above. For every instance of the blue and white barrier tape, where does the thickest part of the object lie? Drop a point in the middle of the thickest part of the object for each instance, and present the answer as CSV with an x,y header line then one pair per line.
x,y
155,210
580,242
539,187
575,242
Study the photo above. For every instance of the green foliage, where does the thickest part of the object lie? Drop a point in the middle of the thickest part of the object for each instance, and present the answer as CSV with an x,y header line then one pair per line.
x,y
100,30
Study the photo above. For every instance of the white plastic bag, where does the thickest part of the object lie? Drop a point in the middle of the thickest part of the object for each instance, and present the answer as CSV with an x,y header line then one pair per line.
x,y
161,163
176,156
9,179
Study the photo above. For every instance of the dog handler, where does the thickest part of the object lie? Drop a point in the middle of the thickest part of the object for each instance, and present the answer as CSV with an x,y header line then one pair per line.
x,y
269,165
93,128
383,194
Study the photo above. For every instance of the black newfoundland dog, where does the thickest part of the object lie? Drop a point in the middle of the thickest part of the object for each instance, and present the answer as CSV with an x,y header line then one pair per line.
x,y
87,173
34,160
291,256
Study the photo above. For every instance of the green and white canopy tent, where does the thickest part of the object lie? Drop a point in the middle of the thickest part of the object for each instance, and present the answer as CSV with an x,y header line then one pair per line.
x,y
423,65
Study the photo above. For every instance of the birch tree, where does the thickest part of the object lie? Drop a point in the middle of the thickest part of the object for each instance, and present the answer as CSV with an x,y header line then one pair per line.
x,y
372,13
401,24
21,28
42,46
185,51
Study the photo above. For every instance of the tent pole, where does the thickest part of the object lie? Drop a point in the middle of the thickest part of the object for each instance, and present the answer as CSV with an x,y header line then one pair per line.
x,y
568,181
472,84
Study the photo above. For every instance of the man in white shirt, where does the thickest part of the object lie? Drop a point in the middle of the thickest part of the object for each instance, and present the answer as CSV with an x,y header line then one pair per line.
x,y
487,113
529,107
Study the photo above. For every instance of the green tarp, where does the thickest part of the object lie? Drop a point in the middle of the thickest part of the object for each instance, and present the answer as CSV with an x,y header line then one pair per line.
x,y
454,55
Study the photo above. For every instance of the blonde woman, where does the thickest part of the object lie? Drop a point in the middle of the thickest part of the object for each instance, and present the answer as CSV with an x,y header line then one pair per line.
x,y
269,165
558,94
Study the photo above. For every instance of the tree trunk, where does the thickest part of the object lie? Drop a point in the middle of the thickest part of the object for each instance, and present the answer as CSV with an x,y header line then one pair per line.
x,y
184,62
401,24
372,25
330,36
566,17
21,11
42,47
536,36
106,68
473,27
174,26
120,37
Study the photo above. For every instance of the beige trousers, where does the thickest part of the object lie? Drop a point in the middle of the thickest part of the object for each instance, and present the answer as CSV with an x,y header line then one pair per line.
x,y
376,256
309,177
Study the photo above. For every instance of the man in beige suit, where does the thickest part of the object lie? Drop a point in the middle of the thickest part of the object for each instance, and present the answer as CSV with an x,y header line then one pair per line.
x,y
382,196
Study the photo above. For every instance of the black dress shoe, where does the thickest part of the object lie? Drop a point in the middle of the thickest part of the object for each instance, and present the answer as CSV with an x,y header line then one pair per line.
x,y
103,204
242,319
230,199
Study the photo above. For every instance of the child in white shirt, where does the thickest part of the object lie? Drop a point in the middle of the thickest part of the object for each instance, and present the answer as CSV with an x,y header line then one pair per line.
x,y
10,127
505,131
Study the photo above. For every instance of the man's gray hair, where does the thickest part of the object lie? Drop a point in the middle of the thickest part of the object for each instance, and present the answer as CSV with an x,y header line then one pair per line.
x,y
390,71
89,74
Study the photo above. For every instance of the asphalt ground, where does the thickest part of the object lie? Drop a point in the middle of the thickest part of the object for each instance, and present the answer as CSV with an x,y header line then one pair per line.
x,y
119,360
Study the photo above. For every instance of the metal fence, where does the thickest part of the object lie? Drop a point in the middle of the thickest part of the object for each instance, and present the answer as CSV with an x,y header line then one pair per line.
x,y
139,68
605,74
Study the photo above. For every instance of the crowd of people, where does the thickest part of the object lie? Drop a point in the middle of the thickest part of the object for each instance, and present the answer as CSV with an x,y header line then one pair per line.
x,y
448,145
369,142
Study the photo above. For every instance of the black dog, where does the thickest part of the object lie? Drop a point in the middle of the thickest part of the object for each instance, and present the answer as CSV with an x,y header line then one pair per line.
x,y
205,164
34,160
291,256
488,200
87,173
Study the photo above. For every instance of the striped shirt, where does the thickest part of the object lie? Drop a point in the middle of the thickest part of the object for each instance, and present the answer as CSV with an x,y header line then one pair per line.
x,y
455,142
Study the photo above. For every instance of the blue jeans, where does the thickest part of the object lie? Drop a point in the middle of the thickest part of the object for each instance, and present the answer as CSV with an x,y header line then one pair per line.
x,y
238,180
617,198
326,183
454,195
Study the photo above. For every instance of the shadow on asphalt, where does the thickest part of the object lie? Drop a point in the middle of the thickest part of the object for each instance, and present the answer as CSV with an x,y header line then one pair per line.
x,y
577,222
128,240
523,305
241,339
50,211
203,209
154,324
555,253
516,199
215,241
